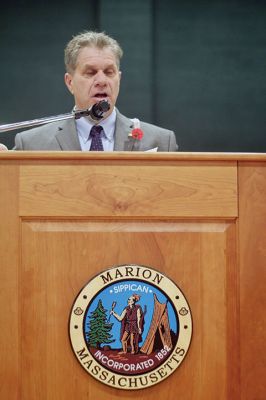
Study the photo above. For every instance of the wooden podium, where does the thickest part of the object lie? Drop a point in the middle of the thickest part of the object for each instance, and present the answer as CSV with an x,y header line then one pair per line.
x,y
198,218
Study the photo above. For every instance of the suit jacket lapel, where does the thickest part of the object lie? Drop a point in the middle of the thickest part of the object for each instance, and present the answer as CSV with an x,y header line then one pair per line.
x,y
122,129
67,136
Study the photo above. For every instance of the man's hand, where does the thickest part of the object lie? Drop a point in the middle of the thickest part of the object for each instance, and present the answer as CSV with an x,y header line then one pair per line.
x,y
3,147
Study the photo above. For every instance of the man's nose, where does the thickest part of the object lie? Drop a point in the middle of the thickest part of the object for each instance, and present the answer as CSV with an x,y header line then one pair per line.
x,y
100,78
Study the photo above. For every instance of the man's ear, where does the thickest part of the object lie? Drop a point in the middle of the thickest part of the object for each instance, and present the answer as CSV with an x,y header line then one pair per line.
x,y
68,81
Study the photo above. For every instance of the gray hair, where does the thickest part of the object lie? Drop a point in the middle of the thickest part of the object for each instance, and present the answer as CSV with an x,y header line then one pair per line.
x,y
90,39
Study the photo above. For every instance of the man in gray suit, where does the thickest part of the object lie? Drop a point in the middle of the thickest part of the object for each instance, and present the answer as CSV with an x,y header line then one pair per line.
x,y
92,63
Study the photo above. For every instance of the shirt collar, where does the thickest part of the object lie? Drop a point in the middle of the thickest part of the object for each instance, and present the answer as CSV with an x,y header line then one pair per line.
x,y
84,126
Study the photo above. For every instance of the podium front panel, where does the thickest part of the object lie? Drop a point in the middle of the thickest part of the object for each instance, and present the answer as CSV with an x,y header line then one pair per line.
x,y
66,218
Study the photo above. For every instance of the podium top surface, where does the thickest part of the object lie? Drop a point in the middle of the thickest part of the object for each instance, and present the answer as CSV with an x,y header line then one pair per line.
x,y
141,156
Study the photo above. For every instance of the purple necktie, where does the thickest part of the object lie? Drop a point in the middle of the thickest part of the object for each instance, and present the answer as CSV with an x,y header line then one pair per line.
x,y
96,141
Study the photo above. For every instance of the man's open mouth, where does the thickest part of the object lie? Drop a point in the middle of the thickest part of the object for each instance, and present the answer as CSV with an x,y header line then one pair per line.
x,y
101,95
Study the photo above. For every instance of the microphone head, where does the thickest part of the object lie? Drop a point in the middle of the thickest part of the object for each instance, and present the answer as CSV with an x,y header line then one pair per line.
x,y
95,112
3,147
98,109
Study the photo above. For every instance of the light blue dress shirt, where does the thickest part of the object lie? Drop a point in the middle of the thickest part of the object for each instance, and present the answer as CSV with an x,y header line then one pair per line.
x,y
84,126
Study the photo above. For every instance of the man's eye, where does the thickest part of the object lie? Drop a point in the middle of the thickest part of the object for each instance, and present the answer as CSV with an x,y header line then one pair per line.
x,y
109,72
89,72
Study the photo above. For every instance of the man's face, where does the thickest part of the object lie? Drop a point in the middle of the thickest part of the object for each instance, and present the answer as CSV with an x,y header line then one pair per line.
x,y
95,78
130,301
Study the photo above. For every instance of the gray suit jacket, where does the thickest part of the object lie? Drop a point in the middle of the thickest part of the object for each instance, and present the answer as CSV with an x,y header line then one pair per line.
x,y
62,136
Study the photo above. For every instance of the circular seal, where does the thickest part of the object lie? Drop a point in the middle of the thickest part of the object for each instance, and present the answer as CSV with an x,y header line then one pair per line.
x,y
130,327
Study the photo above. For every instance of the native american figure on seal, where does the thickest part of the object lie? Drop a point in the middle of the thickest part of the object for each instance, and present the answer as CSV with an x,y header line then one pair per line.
x,y
132,322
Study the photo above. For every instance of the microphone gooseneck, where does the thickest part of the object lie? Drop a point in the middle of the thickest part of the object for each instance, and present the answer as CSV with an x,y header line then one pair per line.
x,y
95,112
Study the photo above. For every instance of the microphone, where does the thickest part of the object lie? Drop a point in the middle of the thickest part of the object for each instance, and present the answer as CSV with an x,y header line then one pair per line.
x,y
3,147
95,112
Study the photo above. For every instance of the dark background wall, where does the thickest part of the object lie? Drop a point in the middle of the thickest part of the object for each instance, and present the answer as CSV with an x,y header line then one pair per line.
x,y
197,67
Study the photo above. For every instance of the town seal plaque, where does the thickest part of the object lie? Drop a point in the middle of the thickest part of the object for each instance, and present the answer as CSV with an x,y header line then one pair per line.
x,y
130,327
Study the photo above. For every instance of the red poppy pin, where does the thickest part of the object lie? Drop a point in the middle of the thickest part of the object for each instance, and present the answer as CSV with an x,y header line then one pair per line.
x,y
136,132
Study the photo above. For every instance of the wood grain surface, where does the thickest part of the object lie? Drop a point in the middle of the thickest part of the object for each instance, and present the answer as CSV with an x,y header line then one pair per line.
x,y
58,260
252,253
131,190
198,218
